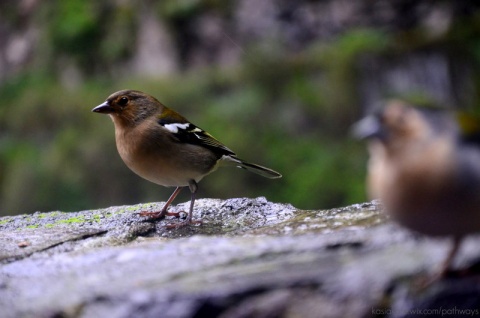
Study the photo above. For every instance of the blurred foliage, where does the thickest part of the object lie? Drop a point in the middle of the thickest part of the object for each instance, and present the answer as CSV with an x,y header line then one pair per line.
x,y
288,111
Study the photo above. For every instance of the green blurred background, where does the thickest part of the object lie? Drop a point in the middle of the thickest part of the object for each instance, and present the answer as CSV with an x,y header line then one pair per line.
x,y
279,82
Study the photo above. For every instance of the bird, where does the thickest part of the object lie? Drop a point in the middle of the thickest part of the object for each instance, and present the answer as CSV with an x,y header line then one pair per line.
x,y
425,170
163,147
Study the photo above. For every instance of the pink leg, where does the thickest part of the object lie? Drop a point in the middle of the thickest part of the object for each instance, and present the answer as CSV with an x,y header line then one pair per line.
x,y
163,212
457,241
426,282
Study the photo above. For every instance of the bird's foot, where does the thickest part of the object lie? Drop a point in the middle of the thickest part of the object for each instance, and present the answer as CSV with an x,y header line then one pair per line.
x,y
161,214
179,215
424,281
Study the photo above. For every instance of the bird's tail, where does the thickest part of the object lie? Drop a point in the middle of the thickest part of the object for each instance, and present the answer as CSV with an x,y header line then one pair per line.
x,y
263,171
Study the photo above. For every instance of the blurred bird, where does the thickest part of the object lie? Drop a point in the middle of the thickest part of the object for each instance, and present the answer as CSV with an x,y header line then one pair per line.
x,y
163,147
424,170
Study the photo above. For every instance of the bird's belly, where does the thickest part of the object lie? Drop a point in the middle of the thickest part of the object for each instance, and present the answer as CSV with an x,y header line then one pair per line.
x,y
419,202
162,173
165,163
440,222
438,214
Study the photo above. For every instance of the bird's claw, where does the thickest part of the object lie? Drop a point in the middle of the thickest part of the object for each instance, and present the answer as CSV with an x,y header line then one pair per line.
x,y
162,214
179,215
152,215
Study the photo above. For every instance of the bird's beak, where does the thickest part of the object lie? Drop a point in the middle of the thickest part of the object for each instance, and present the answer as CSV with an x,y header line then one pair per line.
x,y
104,108
369,127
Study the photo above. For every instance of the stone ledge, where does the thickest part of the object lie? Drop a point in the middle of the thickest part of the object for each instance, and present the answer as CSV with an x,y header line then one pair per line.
x,y
251,258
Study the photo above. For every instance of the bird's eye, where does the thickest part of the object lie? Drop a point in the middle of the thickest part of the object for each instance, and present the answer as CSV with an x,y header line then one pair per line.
x,y
123,101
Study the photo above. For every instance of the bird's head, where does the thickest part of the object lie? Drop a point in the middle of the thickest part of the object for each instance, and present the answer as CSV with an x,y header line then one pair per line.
x,y
129,107
400,124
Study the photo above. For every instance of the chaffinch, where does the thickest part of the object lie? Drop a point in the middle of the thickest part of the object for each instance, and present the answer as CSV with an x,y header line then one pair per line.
x,y
424,170
163,147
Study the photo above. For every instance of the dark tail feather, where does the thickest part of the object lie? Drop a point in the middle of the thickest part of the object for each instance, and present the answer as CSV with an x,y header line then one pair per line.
x,y
263,171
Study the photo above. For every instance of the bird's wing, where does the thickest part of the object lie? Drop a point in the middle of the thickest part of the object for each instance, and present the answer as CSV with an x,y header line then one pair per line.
x,y
187,132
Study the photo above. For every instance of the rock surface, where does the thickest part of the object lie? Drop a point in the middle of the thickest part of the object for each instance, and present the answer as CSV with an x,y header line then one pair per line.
x,y
250,258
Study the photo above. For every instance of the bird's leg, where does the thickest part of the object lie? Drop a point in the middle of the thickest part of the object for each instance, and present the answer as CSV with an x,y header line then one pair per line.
x,y
193,190
457,241
163,212
441,273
